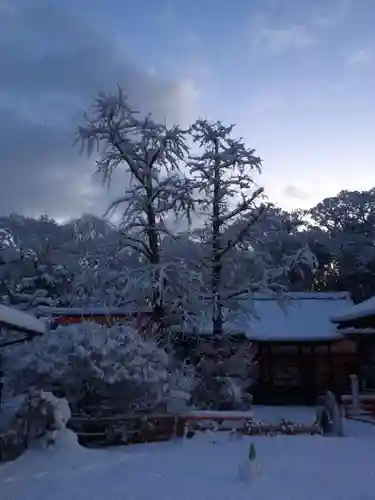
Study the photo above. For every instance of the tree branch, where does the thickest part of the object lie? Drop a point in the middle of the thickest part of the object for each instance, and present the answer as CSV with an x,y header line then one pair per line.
x,y
241,235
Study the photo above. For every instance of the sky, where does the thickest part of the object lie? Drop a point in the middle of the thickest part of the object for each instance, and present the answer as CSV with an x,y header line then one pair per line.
x,y
295,76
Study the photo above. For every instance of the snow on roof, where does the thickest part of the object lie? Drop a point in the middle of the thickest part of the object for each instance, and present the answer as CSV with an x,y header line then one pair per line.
x,y
361,310
357,331
21,321
302,317
88,311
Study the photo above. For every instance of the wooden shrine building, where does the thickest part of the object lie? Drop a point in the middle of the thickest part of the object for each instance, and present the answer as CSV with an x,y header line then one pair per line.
x,y
357,323
298,352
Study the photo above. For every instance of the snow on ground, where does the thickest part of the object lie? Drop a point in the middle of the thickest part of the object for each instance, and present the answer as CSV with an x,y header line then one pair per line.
x,y
203,468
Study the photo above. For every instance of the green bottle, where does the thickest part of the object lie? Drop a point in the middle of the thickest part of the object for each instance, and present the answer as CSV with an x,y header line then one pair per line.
x,y
252,452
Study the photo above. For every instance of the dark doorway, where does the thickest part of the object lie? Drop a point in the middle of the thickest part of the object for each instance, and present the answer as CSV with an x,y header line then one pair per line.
x,y
289,374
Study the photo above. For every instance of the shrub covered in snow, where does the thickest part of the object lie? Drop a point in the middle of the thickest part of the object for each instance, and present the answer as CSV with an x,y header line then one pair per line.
x,y
28,418
90,362
214,390
220,393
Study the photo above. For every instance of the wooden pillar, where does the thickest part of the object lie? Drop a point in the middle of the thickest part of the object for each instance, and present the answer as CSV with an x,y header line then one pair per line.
x,y
313,370
1,379
1,373
304,376
270,365
301,373
261,364
360,362
330,364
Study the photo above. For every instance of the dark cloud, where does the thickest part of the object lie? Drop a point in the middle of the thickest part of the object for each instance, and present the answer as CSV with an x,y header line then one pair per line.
x,y
52,62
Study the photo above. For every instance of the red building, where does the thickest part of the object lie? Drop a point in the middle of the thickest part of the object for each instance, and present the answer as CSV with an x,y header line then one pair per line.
x,y
103,315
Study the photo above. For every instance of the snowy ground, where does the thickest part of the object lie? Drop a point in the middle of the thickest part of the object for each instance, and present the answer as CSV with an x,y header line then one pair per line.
x,y
291,468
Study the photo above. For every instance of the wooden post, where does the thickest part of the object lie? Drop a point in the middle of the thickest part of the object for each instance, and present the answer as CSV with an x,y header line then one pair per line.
x,y
1,381
330,364
313,359
260,356
360,363
1,373
271,371
355,394
302,383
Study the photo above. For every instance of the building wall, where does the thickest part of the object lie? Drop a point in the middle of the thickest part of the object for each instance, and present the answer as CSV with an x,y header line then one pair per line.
x,y
278,364
305,369
139,318
366,349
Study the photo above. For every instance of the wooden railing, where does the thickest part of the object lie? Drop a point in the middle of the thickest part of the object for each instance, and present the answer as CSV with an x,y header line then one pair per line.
x,y
367,403
133,428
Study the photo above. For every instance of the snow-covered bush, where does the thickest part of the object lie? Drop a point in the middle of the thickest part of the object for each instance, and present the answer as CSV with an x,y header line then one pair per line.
x,y
34,417
181,384
220,393
92,362
215,390
61,416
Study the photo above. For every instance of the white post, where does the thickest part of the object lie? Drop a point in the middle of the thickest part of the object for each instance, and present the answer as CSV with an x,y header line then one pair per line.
x,y
355,394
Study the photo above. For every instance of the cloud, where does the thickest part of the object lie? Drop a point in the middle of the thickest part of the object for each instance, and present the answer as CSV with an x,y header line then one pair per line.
x,y
361,57
276,40
53,62
331,13
274,32
296,192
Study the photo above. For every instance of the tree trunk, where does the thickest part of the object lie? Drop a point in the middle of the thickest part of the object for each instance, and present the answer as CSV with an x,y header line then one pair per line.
x,y
153,242
217,308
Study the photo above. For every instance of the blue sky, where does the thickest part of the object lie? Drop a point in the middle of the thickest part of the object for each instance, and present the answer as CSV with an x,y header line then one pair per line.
x,y
297,78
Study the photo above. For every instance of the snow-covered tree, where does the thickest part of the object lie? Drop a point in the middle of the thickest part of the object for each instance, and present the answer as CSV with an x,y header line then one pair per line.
x,y
9,257
89,361
280,239
33,260
78,263
88,228
233,238
152,155
223,171
100,279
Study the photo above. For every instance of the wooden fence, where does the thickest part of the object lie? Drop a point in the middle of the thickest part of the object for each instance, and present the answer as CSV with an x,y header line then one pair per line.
x,y
132,429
